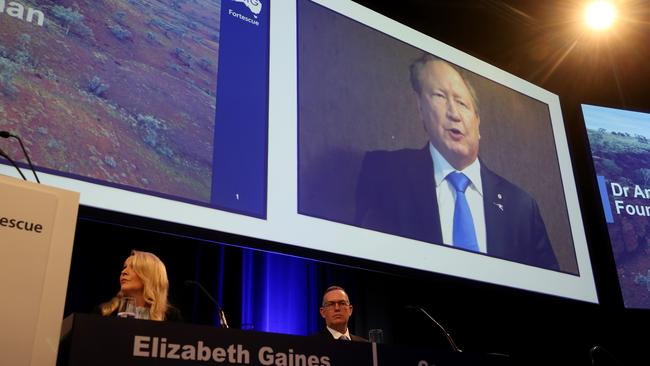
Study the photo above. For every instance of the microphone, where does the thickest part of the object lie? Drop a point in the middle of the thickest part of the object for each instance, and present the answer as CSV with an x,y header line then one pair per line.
x,y
600,355
7,134
451,341
222,315
4,155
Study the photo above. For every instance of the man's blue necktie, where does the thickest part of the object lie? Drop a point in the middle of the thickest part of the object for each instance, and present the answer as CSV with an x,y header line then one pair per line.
x,y
464,233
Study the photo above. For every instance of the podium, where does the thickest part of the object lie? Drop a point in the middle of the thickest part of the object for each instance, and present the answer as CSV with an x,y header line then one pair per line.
x,y
100,341
37,226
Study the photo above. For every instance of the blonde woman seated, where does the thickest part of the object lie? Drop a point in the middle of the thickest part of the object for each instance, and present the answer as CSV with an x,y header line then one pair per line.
x,y
144,278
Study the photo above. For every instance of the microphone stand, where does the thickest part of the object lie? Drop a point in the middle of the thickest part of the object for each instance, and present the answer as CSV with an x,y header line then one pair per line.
x,y
6,134
449,339
222,315
4,155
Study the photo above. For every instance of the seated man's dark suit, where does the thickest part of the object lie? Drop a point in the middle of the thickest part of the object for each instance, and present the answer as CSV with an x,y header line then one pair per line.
x,y
325,334
396,194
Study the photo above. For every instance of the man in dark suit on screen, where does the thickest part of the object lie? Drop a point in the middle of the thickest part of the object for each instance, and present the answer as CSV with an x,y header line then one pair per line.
x,y
443,193
336,310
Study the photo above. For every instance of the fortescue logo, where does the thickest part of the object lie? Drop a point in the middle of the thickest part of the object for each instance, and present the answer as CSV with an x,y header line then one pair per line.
x,y
252,21
255,6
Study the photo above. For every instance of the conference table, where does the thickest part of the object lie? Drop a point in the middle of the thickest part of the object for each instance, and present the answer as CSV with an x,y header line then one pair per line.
x,y
89,339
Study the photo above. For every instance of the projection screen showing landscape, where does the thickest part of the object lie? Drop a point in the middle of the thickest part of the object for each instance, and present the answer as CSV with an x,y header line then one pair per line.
x,y
620,147
125,94
264,120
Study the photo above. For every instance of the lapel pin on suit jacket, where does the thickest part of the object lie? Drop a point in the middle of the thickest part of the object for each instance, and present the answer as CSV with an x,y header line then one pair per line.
x,y
498,204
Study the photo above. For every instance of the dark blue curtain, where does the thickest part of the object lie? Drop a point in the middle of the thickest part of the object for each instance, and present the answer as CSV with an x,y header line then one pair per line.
x,y
279,293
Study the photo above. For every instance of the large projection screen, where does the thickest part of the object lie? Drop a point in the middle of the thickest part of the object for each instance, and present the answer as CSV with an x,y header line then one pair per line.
x,y
620,149
144,96
338,87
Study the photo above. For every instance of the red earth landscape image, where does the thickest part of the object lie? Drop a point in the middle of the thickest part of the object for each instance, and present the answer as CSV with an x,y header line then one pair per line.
x,y
120,91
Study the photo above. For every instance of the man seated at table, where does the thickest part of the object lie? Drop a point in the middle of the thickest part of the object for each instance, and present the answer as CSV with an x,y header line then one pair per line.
x,y
336,310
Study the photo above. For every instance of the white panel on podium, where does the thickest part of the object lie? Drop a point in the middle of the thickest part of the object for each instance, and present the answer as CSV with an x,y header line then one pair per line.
x,y
37,226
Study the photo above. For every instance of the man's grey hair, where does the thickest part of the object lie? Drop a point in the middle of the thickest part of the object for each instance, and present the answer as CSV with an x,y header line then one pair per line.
x,y
416,76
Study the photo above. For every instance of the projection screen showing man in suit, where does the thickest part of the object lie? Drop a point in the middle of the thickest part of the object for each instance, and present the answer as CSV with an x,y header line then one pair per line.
x,y
382,124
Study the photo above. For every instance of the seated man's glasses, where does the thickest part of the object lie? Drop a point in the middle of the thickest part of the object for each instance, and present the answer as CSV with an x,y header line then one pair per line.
x,y
332,304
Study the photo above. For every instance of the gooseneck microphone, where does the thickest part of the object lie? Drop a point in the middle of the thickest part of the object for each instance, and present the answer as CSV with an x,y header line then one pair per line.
x,y
7,134
222,315
449,339
4,155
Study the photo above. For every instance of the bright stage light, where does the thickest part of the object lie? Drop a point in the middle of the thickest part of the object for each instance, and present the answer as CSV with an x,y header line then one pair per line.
x,y
600,15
